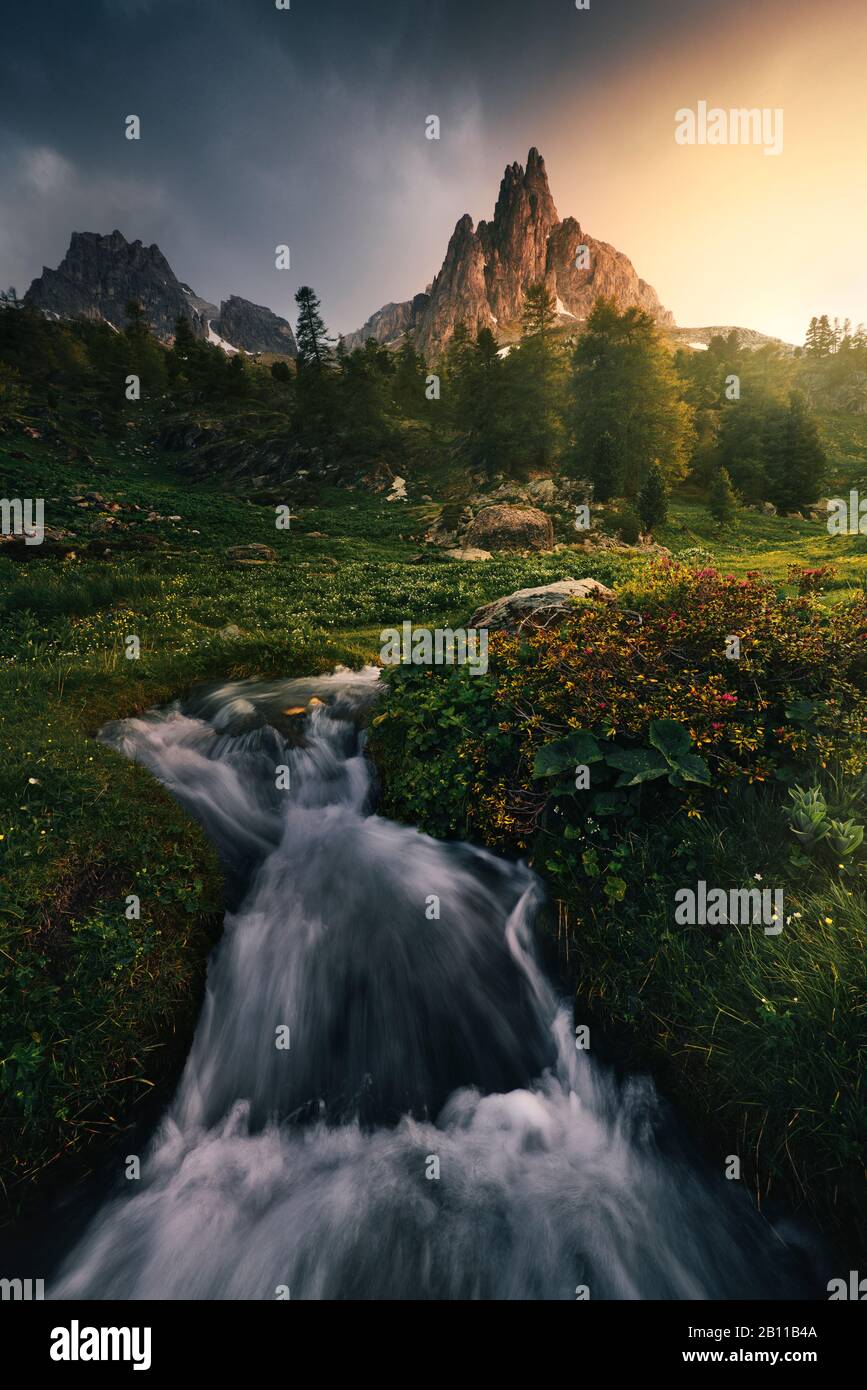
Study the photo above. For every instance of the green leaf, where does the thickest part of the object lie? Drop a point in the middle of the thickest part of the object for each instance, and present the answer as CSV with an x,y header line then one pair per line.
x,y
614,888
671,738
607,803
591,863
674,743
800,711
637,765
692,768
563,754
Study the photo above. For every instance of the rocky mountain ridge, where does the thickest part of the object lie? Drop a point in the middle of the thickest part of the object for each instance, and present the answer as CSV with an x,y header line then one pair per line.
x,y
99,275
488,268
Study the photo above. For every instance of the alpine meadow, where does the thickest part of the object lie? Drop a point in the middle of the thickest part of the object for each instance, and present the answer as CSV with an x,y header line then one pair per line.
x,y
434,736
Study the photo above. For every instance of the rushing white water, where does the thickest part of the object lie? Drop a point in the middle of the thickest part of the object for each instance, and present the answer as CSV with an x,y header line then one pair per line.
x,y
417,1046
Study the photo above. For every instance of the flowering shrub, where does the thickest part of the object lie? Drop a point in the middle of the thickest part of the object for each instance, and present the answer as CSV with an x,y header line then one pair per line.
x,y
617,675
811,581
628,756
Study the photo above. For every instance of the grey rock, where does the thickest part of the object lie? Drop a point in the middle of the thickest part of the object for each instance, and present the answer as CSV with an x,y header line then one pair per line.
x,y
540,605
99,275
469,553
254,328
251,554
511,528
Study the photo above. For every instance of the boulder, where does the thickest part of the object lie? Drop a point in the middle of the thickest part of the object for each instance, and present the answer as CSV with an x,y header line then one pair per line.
x,y
540,605
542,490
251,554
469,553
769,509
511,528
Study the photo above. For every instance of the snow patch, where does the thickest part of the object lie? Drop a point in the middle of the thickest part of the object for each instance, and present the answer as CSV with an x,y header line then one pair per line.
x,y
700,347
504,351
561,309
218,341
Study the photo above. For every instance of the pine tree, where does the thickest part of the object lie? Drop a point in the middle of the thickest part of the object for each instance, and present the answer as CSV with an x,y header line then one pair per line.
x,y
811,341
494,442
796,459
624,382
315,348
722,500
824,337
539,313
237,377
142,355
136,324
535,373
410,379
605,468
184,340
653,499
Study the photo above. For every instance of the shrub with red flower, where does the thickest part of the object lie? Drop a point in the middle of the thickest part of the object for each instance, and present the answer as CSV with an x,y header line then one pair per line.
x,y
797,688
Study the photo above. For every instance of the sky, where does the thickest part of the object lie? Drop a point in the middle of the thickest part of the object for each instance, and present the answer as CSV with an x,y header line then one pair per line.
x,y
306,127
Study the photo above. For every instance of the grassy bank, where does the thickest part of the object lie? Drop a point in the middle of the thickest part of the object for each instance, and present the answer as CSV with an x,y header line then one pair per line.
x,y
629,759
97,1010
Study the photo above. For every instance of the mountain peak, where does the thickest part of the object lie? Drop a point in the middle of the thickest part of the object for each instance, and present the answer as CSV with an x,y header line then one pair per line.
x,y
488,270
100,274
254,327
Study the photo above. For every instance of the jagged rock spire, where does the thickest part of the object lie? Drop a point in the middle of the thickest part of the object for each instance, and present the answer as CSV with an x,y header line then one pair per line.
x,y
487,270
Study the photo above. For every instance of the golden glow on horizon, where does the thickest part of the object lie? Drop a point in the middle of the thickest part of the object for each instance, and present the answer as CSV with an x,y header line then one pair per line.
x,y
727,234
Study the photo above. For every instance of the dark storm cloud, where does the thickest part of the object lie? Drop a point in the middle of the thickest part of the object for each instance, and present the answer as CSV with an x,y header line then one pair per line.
x,y
304,126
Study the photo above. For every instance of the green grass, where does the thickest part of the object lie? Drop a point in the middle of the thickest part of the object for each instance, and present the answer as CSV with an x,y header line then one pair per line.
x,y
95,1011
761,1039
769,543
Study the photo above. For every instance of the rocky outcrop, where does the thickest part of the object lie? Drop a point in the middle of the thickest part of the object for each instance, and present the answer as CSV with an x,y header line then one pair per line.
x,y
469,552
391,323
254,328
459,292
610,275
515,245
99,275
488,269
510,528
748,338
537,607
254,554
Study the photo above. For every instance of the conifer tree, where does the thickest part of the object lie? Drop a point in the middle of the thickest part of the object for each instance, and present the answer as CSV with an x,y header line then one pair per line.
x,y
722,500
315,348
604,468
653,499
